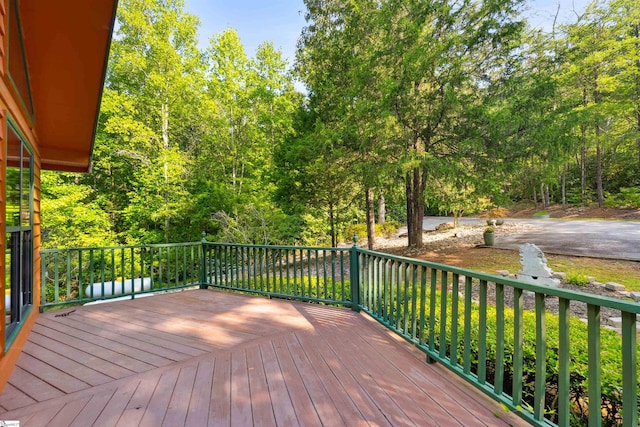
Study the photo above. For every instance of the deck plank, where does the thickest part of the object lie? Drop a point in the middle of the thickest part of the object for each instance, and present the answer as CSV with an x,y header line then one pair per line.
x,y
159,403
261,403
207,357
240,394
220,410
67,352
102,351
12,398
284,411
78,370
198,413
305,411
50,374
93,408
179,404
138,403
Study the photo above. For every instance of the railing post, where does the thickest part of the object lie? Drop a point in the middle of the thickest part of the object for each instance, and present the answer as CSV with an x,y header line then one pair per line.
x,y
203,262
354,273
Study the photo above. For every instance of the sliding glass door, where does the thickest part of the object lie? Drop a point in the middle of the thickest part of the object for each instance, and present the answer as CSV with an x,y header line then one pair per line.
x,y
18,231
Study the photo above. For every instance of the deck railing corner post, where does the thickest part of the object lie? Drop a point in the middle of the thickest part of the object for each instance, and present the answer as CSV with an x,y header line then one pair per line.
x,y
354,273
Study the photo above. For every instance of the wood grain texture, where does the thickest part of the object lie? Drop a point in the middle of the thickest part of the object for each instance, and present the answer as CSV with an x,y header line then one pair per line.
x,y
213,358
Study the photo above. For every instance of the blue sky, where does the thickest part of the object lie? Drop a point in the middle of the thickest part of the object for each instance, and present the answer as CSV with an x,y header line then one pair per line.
x,y
280,21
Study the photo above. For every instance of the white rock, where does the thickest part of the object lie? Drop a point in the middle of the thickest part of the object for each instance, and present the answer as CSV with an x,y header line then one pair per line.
x,y
613,286
635,296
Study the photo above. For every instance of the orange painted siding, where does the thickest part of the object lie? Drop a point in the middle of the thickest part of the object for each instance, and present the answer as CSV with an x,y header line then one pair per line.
x,y
10,106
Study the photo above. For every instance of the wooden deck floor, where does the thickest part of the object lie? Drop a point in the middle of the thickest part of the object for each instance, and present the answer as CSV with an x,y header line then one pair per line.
x,y
204,357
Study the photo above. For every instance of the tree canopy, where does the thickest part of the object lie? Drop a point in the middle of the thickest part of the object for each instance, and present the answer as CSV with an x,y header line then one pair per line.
x,y
436,107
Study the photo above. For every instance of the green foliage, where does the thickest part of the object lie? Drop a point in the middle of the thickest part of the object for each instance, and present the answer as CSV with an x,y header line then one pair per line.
x,y
71,217
627,198
577,279
611,357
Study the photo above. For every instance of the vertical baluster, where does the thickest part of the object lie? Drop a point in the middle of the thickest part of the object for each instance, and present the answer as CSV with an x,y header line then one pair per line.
x,y
324,274
595,387
443,314
160,279
113,271
295,274
518,339
342,277
80,286
333,274
68,271
287,272
423,301
432,310
390,284
280,275
468,294
482,334
405,294
56,277
541,360
499,371
453,352
629,367
122,271
91,274
563,362
398,295
102,272
377,286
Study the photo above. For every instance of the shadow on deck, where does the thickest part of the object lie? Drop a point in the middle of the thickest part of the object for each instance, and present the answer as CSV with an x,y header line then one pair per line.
x,y
205,357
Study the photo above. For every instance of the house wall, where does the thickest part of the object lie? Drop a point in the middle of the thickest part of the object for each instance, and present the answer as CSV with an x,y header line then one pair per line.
x,y
11,106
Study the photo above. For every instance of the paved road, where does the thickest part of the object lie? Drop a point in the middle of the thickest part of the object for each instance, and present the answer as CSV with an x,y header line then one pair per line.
x,y
594,238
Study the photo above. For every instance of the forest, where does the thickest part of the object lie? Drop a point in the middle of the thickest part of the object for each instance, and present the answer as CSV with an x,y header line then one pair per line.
x,y
411,107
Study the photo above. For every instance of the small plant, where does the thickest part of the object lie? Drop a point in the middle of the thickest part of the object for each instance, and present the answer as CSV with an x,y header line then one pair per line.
x,y
577,279
491,221
489,230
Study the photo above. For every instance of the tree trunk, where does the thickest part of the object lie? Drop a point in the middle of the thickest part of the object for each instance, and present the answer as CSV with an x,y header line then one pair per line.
x,y
563,181
542,199
332,223
583,174
638,137
415,206
371,223
535,197
547,199
382,210
599,174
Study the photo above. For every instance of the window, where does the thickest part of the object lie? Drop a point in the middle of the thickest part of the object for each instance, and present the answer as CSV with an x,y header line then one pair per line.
x,y
18,232
17,63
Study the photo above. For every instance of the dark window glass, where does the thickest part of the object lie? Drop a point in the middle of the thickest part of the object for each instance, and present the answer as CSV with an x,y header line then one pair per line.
x,y
18,238
17,62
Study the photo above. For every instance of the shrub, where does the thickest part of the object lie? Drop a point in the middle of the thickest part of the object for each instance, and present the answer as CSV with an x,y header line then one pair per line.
x,y
577,279
387,229
359,230
498,213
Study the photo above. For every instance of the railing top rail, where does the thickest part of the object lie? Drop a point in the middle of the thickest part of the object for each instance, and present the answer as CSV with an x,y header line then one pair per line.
x,y
304,248
106,248
603,301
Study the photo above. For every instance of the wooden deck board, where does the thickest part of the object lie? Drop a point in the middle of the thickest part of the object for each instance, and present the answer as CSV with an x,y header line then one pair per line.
x,y
213,358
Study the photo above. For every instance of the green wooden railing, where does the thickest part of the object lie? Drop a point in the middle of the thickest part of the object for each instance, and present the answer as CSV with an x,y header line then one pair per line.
x,y
81,275
303,273
497,333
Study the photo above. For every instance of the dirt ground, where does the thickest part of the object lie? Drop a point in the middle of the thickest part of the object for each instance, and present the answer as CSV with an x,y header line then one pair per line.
x,y
556,211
